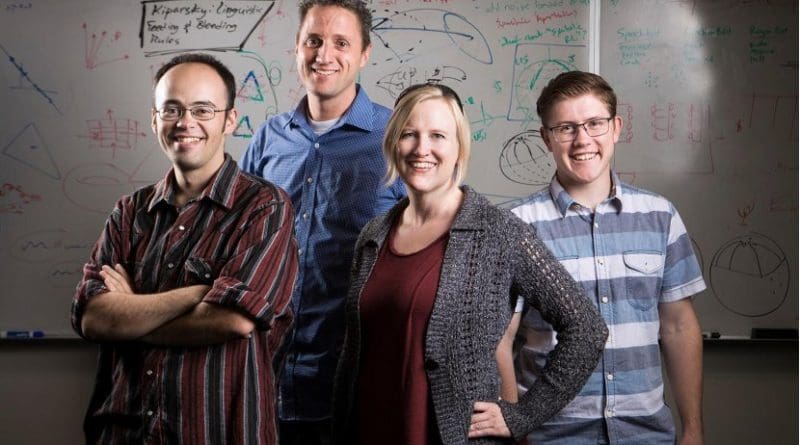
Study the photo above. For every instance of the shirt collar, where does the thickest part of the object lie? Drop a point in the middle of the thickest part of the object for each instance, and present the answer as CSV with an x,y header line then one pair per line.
x,y
219,189
564,201
359,115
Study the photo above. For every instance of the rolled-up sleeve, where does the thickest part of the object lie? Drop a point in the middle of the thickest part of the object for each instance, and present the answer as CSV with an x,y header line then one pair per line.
x,y
259,276
106,250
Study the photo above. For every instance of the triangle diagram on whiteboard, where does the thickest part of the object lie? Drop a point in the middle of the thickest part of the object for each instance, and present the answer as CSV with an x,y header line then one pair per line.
x,y
243,128
251,89
28,148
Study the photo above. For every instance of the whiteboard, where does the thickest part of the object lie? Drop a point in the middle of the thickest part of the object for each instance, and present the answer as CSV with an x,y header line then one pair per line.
x,y
708,91
75,84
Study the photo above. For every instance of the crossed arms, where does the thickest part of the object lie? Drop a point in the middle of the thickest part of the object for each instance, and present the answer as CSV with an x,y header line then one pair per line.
x,y
178,317
250,290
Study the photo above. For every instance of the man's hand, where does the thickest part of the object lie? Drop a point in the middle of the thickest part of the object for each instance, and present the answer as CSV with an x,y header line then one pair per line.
x,y
116,279
487,420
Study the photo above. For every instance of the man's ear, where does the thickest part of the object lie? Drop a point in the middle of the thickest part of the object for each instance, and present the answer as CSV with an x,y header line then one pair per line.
x,y
545,135
365,55
230,121
153,117
617,127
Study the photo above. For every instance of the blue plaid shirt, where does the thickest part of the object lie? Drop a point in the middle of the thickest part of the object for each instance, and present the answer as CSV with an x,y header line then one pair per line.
x,y
335,181
630,254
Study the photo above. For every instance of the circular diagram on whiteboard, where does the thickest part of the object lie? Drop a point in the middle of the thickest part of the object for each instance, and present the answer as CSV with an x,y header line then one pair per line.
x,y
526,160
750,275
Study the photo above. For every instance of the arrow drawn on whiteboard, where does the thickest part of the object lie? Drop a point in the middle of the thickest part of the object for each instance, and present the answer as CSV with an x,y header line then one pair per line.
x,y
25,76
433,23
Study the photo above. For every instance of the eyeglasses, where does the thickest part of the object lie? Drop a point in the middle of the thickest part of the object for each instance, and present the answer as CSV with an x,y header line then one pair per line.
x,y
199,112
594,127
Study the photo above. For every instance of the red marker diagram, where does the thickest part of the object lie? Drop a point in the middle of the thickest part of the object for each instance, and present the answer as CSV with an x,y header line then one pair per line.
x,y
95,43
28,148
113,134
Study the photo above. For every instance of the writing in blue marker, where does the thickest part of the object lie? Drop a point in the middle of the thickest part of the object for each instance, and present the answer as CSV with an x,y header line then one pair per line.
x,y
18,335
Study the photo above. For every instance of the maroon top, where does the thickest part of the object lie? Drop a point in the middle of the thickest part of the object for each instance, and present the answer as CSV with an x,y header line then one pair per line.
x,y
396,303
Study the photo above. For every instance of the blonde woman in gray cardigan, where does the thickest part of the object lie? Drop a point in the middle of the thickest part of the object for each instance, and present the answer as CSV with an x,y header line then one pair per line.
x,y
433,287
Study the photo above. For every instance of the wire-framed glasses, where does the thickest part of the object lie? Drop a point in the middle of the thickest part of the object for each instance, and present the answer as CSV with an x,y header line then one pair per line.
x,y
594,127
199,112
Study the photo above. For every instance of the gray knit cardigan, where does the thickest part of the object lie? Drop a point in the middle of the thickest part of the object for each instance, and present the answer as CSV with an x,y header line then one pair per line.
x,y
490,259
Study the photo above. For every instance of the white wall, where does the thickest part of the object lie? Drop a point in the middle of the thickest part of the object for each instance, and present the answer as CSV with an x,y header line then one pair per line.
x,y
751,392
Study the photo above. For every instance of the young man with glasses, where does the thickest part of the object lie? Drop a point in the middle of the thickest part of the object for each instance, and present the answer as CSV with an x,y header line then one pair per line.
x,y
187,290
630,251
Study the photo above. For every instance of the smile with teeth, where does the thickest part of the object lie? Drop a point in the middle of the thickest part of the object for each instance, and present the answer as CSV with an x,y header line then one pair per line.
x,y
322,72
584,156
187,139
422,165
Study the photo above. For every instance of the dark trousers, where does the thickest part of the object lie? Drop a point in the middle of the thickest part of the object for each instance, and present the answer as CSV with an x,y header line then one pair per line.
x,y
316,432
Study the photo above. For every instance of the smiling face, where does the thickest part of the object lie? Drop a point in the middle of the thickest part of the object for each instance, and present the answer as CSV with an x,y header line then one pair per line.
x,y
330,53
428,148
584,162
193,146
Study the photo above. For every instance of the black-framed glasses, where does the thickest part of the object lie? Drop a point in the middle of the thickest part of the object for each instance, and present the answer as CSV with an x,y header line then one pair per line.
x,y
594,127
199,112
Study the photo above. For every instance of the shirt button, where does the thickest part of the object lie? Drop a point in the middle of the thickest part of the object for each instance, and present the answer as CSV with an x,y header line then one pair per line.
x,y
149,372
208,275
604,299
310,180
299,251
170,265
600,261
609,413
610,376
149,413
596,225
316,144
181,227
305,215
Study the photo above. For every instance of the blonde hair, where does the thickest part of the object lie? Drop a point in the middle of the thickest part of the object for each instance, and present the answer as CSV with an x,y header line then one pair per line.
x,y
403,107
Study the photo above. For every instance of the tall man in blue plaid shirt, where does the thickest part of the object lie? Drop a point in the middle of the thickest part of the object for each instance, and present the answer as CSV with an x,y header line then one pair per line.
x,y
629,249
327,155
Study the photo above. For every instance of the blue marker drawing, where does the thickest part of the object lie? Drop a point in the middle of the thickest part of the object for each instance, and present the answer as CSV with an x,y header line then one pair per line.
x,y
21,335
24,74
246,91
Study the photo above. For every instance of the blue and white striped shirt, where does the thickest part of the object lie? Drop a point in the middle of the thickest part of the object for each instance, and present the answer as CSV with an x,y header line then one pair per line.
x,y
631,254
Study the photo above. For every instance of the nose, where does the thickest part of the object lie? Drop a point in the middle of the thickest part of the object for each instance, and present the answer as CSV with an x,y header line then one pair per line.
x,y
322,53
581,134
422,148
185,119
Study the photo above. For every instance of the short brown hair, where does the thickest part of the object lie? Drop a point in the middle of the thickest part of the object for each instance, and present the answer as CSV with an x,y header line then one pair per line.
x,y
357,7
406,102
574,84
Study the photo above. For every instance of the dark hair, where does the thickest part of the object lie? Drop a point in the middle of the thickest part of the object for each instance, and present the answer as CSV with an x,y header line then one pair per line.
x,y
574,84
357,7
206,59
445,91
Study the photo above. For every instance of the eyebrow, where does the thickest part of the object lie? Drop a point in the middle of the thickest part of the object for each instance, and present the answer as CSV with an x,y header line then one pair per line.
x,y
575,123
199,102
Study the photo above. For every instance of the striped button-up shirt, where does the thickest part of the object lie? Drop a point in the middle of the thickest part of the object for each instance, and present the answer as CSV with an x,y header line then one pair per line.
x,y
235,237
335,181
630,254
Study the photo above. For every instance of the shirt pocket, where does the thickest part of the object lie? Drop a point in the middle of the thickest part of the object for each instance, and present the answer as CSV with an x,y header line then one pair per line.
x,y
643,274
572,264
199,270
